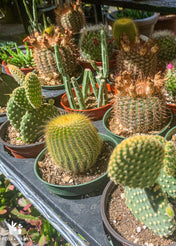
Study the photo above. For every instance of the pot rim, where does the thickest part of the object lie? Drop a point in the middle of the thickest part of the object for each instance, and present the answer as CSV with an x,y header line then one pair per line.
x,y
5,124
115,135
70,186
169,132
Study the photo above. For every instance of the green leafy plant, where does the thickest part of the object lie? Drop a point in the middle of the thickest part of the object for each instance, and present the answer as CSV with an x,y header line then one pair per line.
x,y
132,13
17,57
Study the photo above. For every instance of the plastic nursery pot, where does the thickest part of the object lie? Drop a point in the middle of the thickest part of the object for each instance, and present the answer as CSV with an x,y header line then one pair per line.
x,y
75,190
24,70
60,87
94,114
170,133
118,138
166,22
145,26
115,237
20,151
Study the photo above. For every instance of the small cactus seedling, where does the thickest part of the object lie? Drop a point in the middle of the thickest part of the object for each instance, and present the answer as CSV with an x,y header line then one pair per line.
x,y
27,109
148,188
73,142
170,84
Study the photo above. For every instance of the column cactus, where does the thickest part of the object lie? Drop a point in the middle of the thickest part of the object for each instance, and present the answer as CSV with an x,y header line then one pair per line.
x,y
73,142
138,164
27,110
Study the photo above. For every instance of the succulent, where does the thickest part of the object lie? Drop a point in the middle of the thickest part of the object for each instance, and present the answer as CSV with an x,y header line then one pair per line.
x,y
141,115
138,164
136,161
70,16
124,27
138,57
140,104
170,84
73,142
27,110
44,55
166,40
88,79
90,43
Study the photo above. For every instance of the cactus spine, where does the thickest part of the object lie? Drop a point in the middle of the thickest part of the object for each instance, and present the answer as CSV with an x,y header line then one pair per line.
x,y
73,142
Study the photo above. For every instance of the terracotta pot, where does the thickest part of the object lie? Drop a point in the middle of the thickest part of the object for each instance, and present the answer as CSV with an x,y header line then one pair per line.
x,y
108,115
24,70
116,238
166,22
94,114
145,26
25,41
75,190
20,151
172,107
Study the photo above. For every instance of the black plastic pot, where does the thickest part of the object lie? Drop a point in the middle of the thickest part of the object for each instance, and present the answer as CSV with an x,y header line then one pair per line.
x,y
74,190
116,238
20,151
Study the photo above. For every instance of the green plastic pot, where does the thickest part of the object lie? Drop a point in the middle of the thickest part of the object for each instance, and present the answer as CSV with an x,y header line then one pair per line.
x,y
118,138
75,190
60,87
170,133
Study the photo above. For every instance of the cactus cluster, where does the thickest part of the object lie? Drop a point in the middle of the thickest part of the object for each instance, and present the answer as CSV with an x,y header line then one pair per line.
x,y
100,92
140,164
70,16
73,142
90,43
170,84
27,110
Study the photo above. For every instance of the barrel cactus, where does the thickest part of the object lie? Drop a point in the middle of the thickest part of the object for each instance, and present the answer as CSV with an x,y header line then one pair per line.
x,y
73,142
27,110
124,27
90,43
137,163
70,16
44,55
166,40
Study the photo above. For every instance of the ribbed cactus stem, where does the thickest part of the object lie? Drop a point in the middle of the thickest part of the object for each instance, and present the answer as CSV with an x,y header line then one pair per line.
x,y
93,83
59,60
78,93
104,54
170,158
69,92
85,83
101,93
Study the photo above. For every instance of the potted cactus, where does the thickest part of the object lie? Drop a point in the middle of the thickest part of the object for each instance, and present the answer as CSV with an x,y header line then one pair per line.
x,y
74,161
90,46
70,16
136,54
170,86
98,86
142,173
27,112
139,107
166,40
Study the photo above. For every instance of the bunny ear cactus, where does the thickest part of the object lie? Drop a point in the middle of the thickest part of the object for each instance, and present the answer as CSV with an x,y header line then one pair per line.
x,y
136,161
17,74
27,111
152,208
73,142
90,43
